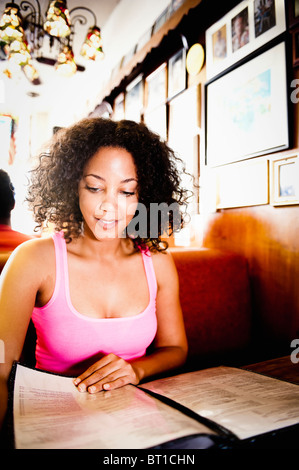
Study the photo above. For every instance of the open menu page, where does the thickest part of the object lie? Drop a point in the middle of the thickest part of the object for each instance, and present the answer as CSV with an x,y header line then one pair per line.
x,y
50,413
244,402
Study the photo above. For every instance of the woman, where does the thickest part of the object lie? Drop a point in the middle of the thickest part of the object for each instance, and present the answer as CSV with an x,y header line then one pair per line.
x,y
101,290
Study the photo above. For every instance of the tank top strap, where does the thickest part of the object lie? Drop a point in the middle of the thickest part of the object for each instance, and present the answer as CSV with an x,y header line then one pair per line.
x,y
61,264
150,273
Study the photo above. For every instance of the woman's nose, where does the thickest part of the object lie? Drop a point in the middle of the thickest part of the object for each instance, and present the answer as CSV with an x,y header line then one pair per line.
x,y
106,204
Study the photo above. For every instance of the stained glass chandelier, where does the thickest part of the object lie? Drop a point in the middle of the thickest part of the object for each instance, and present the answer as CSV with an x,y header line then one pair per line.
x,y
23,29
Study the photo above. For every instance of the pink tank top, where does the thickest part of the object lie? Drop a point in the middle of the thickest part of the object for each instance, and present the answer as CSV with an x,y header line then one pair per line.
x,y
69,342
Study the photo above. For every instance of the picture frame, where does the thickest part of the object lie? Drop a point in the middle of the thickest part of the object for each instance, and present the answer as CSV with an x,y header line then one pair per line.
x,y
119,107
241,31
247,109
242,184
156,120
162,18
293,12
295,39
184,137
134,99
177,75
284,181
156,87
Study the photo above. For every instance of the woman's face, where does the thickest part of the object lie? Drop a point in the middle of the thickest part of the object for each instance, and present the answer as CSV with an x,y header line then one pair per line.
x,y
108,192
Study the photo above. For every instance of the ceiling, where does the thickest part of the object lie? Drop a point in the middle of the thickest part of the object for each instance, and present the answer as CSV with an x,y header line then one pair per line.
x,y
52,90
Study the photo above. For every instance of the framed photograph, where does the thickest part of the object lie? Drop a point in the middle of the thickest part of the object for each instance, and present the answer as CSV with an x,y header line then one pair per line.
x,y
293,12
177,73
156,87
134,99
248,26
119,107
242,184
184,136
284,181
165,15
295,36
145,38
156,120
247,110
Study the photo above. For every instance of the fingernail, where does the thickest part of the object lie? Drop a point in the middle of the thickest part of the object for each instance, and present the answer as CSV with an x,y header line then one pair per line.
x,y
106,386
92,389
76,381
82,388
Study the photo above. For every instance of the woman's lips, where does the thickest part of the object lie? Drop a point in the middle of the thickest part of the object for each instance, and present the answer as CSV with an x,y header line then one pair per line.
x,y
107,224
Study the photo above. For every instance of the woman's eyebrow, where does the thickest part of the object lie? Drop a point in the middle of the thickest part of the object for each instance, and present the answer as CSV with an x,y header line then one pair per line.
x,y
95,176
127,180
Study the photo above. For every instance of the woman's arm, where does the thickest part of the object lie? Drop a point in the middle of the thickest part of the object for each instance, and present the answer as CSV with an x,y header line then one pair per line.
x,y
170,344
19,284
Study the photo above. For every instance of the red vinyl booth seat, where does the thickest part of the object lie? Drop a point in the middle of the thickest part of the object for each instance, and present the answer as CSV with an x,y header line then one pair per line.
x,y
215,299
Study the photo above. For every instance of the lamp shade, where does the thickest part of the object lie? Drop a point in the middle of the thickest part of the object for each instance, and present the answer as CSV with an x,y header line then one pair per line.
x,y
66,65
30,72
19,52
92,46
58,21
11,24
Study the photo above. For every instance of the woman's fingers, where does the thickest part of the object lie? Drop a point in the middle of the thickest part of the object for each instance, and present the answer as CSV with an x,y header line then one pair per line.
x,y
108,373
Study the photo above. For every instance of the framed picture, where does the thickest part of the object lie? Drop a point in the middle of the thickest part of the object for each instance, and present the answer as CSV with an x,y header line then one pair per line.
x,y
293,12
156,87
177,73
165,15
156,120
134,99
248,26
242,184
284,181
119,107
247,110
184,136
295,35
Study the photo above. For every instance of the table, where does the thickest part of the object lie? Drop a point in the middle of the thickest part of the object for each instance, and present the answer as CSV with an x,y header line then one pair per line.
x,y
280,368
284,369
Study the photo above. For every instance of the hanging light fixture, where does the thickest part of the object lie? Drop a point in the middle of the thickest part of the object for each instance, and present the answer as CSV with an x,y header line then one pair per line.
x,y
92,46
66,65
19,52
58,21
21,36
11,24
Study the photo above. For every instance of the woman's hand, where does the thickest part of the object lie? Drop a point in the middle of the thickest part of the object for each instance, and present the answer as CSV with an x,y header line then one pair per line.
x,y
108,373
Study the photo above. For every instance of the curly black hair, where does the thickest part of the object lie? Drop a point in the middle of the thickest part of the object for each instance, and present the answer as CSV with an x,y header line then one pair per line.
x,y
53,189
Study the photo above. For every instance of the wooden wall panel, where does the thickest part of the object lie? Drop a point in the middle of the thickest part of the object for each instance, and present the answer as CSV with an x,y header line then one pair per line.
x,y
269,238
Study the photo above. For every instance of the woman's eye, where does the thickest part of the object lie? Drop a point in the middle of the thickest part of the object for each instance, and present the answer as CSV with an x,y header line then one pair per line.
x,y
128,193
92,189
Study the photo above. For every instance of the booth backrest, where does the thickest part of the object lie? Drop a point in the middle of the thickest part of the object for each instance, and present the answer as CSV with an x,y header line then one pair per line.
x,y
3,258
215,298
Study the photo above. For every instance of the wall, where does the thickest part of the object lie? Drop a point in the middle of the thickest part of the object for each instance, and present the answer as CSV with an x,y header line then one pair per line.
x,y
268,237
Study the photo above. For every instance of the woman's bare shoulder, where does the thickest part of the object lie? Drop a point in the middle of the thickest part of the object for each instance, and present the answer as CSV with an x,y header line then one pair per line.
x,y
164,266
35,253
